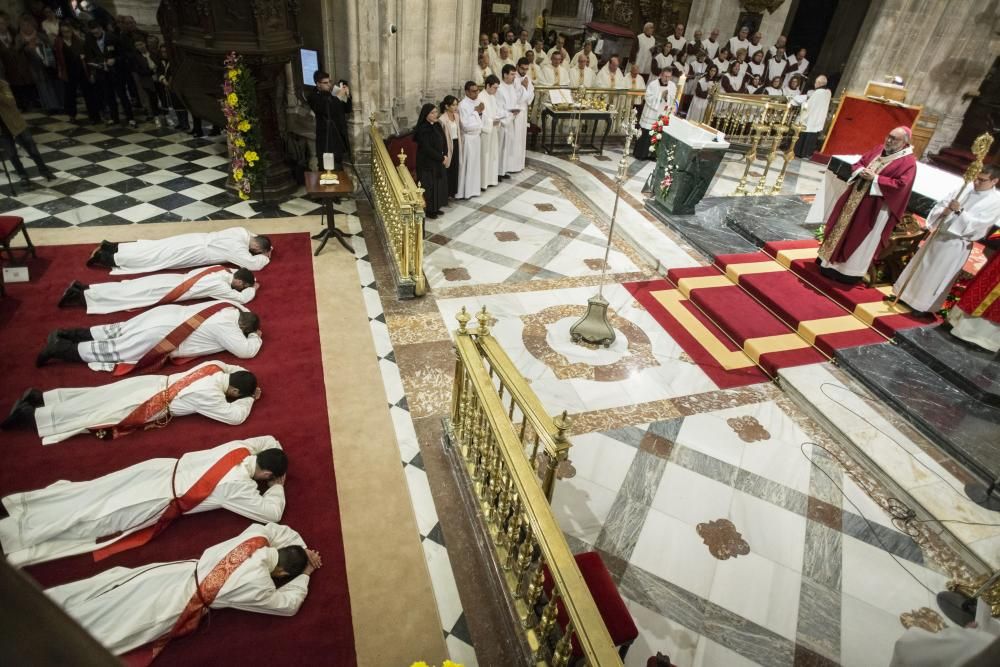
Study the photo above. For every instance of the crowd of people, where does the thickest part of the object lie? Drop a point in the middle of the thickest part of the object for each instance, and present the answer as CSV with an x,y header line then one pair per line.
x,y
61,51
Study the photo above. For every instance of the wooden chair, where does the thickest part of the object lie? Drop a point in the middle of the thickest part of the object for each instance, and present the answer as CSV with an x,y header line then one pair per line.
x,y
10,226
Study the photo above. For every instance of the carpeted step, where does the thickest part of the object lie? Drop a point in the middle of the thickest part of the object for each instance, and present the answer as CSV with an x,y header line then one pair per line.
x,y
786,252
686,279
763,337
864,302
743,264
817,318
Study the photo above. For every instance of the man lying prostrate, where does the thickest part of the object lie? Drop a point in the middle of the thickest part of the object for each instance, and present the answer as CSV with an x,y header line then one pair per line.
x,y
149,340
129,507
235,245
264,569
213,282
219,391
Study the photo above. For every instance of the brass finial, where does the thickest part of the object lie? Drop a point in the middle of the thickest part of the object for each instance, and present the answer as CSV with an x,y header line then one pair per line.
x,y
463,318
371,118
484,322
562,424
980,148
402,158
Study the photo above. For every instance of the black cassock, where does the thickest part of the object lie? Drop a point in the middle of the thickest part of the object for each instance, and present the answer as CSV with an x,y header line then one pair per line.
x,y
331,126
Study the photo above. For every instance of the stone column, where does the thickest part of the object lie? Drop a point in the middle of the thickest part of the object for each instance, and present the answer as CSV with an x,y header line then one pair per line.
x,y
941,49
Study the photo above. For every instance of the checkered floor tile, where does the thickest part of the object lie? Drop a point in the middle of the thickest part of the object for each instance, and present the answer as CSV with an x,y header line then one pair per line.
x,y
117,175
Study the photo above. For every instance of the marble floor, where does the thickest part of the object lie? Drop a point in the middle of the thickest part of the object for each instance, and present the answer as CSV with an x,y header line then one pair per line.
x,y
739,528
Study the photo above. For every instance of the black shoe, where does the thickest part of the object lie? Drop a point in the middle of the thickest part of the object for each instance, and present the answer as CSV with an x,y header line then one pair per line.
x,y
49,176
73,296
21,414
72,335
33,397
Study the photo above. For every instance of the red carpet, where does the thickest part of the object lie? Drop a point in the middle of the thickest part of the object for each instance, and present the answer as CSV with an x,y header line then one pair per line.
x,y
292,408
860,299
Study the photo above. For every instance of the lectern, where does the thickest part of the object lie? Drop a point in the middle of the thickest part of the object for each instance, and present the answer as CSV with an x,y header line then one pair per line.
x,y
691,153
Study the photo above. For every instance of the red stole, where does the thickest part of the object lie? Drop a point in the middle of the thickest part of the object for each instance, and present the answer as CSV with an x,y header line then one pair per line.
x,y
153,406
180,290
982,297
159,353
197,606
194,496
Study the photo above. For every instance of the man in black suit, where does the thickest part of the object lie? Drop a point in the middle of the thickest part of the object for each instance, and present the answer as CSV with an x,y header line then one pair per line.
x,y
107,61
331,104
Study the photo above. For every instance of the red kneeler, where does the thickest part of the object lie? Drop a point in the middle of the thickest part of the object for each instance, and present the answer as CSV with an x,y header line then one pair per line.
x,y
609,602
10,225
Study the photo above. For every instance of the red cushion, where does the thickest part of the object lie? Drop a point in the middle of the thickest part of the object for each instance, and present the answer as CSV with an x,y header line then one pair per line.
x,y
9,224
609,602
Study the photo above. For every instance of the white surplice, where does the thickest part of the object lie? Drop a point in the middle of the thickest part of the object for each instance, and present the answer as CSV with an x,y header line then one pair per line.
x,y
127,342
67,518
470,170
230,246
711,48
480,74
930,274
591,60
644,52
125,608
489,141
113,297
976,330
817,106
555,76
68,412
658,98
581,77
608,79
515,96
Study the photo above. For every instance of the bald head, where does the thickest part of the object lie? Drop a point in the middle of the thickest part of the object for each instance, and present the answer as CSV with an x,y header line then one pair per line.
x,y
897,139
820,82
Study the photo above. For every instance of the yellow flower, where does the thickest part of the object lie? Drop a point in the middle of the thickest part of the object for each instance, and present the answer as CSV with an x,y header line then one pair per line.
x,y
232,99
238,175
251,156
449,663
239,142
233,74
244,126
420,663
244,196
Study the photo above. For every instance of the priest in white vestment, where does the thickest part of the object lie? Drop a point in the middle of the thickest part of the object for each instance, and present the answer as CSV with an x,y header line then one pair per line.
x,y
69,518
611,75
521,46
588,51
470,116
489,140
235,245
925,282
635,82
213,282
661,94
483,70
560,48
813,118
581,74
645,44
264,569
214,389
502,59
518,96
555,73
167,332
952,646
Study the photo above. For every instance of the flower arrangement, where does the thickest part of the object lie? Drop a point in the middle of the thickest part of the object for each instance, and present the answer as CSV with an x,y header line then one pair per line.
x,y
656,132
239,104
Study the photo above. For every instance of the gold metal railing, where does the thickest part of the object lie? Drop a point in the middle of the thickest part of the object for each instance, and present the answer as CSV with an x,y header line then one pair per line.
x,y
618,101
399,205
524,533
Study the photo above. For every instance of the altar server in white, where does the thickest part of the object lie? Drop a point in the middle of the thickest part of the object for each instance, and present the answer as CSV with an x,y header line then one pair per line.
x,y
518,95
660,96
813,118
214,389
69,518
645,44
470,115
213,282
927,279
150,339
235,245
489,141
264,569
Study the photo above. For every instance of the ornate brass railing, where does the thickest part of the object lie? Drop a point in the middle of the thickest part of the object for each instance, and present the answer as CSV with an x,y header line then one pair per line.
x,y
399,205
617,100
524,533
736,115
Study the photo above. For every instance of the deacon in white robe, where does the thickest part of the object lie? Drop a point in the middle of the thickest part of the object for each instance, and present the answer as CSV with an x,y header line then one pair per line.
x,y
58,414
489,140
69,518
232,329
588,50
125,608
518,96
235,245
470,115
645,44
214,282
928,277
581,74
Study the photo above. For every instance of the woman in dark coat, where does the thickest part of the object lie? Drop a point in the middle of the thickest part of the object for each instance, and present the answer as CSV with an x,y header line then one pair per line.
x,y
432,153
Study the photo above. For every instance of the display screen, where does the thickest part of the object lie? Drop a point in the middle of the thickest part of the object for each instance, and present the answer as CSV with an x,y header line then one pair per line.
x,y
309,61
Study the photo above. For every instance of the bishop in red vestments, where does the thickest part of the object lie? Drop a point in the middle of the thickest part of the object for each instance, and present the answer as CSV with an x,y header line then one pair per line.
x,y
862,221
